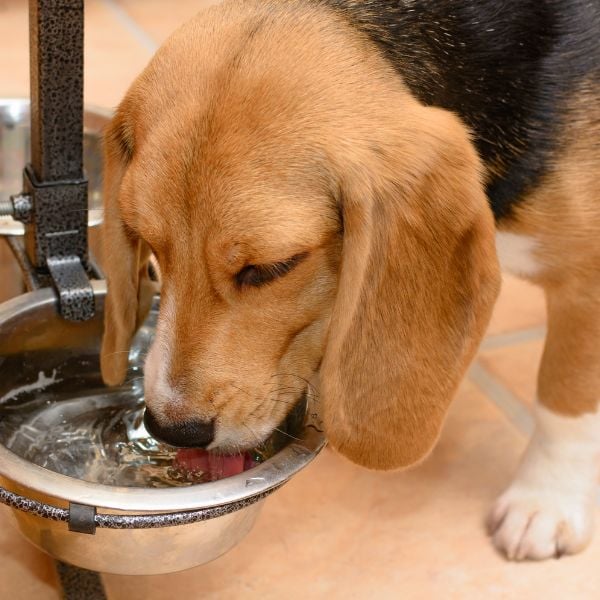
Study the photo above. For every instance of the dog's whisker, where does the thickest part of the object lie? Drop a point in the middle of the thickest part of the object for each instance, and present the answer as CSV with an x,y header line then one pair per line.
x,y
311,391
239,389
295,394
286,433
303,379
253,433
288,390
287,403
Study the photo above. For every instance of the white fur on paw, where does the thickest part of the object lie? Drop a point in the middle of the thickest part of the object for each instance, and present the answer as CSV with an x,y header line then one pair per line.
x,y
532,524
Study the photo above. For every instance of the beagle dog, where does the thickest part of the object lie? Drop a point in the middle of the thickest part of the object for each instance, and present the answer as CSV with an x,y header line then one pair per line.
x,y
327,186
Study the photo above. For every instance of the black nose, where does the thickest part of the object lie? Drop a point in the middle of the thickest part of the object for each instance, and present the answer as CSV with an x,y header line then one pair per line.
x,y
189,434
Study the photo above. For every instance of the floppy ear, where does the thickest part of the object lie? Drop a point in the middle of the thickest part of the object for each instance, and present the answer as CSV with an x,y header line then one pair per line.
x,y
418,280
130,289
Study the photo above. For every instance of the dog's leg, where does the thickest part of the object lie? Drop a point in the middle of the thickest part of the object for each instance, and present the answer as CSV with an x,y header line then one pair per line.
x,y
548,509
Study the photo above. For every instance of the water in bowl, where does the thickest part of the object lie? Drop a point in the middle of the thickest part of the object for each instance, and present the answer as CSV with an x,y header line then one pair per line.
x,y
56,413
100,437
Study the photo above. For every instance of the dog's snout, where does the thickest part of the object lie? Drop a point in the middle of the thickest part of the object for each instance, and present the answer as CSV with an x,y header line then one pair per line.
x,y
187,434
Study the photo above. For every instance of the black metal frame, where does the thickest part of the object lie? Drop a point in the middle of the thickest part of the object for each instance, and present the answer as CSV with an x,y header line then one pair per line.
x,y
53,204
79,584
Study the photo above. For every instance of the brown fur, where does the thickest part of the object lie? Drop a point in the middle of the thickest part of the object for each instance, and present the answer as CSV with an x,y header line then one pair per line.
x,y
126,261
254,154
563,216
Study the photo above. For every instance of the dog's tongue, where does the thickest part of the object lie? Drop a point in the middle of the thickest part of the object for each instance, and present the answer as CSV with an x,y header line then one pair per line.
x,y
213,466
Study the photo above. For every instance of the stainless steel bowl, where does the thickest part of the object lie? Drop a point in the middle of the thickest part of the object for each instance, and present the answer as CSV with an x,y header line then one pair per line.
x,y
34,340
15,152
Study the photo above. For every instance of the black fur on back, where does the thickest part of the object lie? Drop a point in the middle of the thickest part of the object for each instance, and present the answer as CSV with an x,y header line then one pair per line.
x,y
507,67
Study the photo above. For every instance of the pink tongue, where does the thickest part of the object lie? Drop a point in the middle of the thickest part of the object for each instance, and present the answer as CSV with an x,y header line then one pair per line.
x,y
214,466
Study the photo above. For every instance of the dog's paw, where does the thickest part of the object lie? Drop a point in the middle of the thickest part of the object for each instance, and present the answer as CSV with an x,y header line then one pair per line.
x,y
531,523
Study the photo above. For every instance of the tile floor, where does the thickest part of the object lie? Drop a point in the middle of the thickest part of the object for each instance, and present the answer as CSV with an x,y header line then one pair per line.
x,y
336,531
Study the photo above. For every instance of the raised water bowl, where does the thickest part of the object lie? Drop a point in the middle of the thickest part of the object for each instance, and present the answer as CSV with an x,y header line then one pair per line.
x,y
87,483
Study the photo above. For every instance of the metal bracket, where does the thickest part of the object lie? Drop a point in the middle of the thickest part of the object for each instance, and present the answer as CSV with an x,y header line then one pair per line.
x,y
53,205
82,518
75,293
56,239
59,223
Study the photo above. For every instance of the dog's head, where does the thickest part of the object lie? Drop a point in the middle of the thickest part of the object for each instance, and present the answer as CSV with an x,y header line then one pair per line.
x,y
309,218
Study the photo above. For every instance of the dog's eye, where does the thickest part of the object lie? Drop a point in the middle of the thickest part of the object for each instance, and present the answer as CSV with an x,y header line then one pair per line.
x,y
257,275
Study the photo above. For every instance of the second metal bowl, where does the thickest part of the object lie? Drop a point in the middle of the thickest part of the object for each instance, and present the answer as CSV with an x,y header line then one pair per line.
x,y
15,153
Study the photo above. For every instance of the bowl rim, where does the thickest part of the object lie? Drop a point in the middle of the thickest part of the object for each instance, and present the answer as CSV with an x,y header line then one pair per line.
x,y
260,479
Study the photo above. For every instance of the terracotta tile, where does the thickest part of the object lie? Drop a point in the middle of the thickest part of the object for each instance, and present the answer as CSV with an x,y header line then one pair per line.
x,y
520,305
26,573
338,531
516,367
159,23
14,48
113,56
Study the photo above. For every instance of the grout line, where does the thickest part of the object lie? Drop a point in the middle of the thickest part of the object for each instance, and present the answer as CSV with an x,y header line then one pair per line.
x,y
130,24
499,340
507,402
504,399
